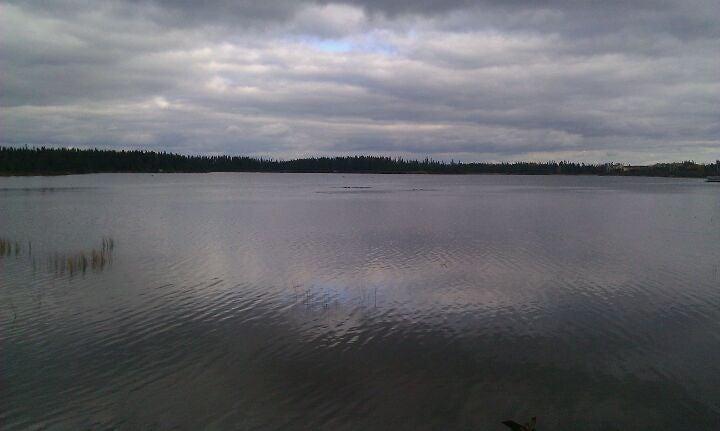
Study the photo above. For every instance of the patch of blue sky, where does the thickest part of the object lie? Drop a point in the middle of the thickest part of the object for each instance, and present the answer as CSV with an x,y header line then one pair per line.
x,y
366,44
332,45
372,44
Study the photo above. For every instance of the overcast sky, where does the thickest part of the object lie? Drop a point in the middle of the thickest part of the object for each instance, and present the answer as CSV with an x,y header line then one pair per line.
x,y
634,81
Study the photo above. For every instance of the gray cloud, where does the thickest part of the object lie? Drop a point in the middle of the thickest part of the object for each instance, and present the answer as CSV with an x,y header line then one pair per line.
x,y
637,81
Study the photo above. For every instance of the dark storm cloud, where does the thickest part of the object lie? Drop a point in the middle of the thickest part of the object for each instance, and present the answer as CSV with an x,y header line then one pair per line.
x,y
456,79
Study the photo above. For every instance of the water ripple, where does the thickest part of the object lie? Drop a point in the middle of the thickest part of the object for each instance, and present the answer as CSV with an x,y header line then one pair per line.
x,y
254,307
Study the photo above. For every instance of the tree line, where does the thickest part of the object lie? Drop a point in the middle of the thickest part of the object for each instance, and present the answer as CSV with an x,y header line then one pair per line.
x,y
53,161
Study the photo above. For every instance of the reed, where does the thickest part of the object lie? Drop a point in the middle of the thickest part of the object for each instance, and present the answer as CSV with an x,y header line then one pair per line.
x,y
8,247
61,263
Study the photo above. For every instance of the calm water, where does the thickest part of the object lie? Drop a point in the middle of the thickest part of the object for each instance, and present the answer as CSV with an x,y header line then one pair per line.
x,y
359,302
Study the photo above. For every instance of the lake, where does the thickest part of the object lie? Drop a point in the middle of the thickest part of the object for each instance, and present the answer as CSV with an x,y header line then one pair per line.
x,y
359,302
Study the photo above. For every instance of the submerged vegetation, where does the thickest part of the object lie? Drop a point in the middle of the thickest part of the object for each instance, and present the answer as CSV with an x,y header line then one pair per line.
x,y
58,263
50,161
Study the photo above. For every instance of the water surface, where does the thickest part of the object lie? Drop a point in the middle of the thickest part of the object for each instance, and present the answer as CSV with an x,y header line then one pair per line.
x,y
358,302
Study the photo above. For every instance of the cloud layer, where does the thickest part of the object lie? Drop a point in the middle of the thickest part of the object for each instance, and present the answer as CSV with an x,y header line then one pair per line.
x,y
469,80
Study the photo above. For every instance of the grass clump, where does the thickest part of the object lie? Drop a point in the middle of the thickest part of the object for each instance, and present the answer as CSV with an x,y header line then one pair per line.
x,y
61,263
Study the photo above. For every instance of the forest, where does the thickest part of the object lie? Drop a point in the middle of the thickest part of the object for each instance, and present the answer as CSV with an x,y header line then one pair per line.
x,y
60,161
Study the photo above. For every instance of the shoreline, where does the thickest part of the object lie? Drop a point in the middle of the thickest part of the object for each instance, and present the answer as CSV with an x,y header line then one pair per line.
x,y
540,174
44,161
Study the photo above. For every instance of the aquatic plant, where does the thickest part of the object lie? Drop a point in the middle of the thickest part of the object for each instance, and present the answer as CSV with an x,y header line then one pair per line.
x,y
67,262
8,247
81,261
529,426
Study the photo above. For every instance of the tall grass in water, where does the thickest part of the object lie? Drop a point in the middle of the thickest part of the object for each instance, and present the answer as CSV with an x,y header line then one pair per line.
x,y
79,262
66,262
9,248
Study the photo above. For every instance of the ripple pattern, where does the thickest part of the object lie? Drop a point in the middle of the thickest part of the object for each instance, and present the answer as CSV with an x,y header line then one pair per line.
x,y
280,302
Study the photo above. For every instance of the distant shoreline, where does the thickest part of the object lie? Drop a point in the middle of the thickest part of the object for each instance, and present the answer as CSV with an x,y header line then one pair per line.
x,y
63,174
41,161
